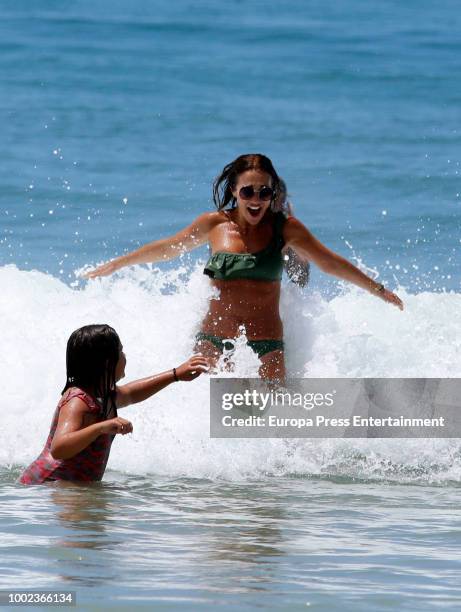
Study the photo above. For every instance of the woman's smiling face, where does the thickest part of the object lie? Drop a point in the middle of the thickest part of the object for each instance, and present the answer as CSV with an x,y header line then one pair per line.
x,y
253,207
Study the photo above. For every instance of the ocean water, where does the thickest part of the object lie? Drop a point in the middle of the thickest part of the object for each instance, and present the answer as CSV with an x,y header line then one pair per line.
x,y
115,118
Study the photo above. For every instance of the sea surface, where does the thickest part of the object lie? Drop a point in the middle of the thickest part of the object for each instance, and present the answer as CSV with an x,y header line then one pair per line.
x,y
115,118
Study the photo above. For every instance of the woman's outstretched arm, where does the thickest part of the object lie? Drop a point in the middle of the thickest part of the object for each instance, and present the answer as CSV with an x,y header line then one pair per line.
x,y
164,249
298,237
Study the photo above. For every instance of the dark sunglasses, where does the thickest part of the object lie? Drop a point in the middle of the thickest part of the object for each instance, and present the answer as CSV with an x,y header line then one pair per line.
x,y
248,191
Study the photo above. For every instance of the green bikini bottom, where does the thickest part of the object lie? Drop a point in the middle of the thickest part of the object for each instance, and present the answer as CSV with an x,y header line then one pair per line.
x,y
260,347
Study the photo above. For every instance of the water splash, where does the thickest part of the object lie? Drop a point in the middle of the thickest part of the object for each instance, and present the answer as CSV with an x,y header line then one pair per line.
x,y
157,313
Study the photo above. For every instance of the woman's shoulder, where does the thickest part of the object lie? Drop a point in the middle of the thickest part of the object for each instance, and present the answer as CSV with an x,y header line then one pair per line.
x,y
293,229
209,220
217,216
293,223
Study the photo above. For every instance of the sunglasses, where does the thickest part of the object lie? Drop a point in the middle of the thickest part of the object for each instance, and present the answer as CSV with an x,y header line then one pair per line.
x,y
248,191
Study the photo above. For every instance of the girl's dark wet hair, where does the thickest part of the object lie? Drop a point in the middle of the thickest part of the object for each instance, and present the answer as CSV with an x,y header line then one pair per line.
x,y
91,359
226,181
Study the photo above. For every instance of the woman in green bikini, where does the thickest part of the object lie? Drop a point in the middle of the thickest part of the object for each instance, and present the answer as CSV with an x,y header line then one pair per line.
x,y
247,237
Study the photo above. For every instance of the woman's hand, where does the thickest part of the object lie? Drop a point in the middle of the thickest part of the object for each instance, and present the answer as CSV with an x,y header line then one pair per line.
x,y
390,297
108,268
193,367
116,426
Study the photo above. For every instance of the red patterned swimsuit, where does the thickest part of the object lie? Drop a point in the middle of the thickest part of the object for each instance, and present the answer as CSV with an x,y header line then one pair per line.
x,y
89,464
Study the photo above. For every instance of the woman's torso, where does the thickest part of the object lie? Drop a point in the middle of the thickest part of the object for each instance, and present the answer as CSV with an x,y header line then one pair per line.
x,y
252,302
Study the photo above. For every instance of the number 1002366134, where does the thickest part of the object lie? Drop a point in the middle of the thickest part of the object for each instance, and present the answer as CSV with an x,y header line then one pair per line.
x,y
28,598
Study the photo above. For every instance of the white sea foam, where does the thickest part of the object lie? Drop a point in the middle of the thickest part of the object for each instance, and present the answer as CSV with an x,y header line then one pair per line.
x,y
157,314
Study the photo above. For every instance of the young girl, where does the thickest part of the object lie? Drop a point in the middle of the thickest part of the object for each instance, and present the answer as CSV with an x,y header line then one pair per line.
x,y
85,421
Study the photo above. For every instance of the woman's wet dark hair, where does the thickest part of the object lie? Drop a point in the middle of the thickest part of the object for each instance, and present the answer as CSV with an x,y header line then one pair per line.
x,y
91,359
281,202
226,181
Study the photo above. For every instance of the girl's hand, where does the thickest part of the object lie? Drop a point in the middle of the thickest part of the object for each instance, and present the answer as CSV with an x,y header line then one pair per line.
x,y
108,268
193,367
116,426
390,297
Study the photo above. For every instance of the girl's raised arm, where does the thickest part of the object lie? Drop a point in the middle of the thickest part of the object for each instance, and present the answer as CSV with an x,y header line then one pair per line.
x,y
139,390
164,249
298,237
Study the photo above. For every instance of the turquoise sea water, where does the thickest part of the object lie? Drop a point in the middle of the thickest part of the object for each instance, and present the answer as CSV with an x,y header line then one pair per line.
x,y
358,107
115,118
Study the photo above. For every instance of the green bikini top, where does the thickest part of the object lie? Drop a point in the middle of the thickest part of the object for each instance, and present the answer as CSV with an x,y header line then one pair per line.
x,y
265,265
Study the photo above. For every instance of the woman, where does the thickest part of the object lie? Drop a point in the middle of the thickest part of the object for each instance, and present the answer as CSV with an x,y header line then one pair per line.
x,y
246,236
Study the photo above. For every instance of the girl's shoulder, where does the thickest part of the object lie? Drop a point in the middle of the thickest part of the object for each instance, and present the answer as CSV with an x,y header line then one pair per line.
x,y
87,402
